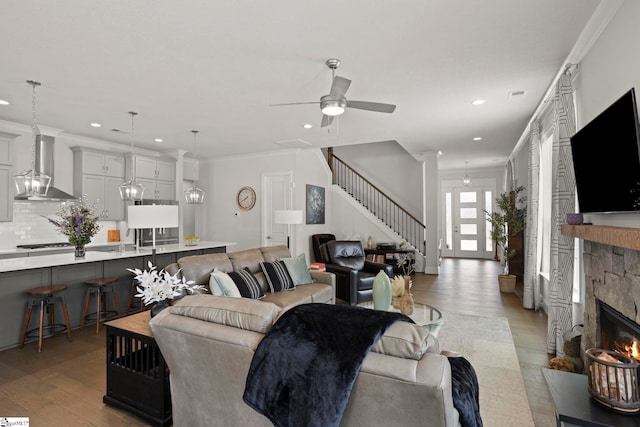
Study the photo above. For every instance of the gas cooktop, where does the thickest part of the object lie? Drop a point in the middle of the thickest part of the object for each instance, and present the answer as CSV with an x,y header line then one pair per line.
x,y
44,245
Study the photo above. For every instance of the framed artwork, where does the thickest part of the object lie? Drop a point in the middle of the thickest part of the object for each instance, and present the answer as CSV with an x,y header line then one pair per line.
x,y
315,204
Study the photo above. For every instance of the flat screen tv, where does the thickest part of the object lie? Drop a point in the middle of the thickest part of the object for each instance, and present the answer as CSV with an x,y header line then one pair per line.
x,y
606,159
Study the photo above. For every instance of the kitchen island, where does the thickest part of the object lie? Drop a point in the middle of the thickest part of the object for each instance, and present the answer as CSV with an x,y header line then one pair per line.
x,y
19,274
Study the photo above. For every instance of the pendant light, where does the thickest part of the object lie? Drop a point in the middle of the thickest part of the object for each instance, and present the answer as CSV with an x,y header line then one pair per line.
x,y
32,182
194,195
131,190
466,180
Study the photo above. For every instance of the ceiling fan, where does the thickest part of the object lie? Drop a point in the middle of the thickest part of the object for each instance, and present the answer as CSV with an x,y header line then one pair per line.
x,y
335,103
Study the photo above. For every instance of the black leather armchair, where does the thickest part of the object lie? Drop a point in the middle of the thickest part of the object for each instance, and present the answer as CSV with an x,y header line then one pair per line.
x,y
354,274
317,240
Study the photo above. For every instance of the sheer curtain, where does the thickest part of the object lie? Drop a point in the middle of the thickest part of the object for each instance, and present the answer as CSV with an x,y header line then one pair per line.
x,y
531,285
563,202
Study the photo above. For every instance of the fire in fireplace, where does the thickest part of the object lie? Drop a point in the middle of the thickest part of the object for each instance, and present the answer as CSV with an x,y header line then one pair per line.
x,y
613,369
618,333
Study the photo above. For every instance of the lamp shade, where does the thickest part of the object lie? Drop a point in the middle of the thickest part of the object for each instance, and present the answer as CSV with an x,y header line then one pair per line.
x,y
288,217
152,216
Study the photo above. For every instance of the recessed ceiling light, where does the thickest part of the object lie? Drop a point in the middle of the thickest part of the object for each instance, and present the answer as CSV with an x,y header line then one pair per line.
x,y
440,153
96,125
478,102
308,126
477,138
158,140
3,102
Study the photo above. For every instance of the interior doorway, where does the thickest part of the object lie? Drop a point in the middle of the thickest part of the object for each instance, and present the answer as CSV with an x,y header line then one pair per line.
x,y
276,190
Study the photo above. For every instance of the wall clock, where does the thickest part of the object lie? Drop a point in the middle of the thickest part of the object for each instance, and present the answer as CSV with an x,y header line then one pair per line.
x,y
246,198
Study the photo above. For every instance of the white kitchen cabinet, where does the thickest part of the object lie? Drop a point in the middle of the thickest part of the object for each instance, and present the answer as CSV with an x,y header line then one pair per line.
x,y
157,175
151,168
98,163
6,176
6,195
97,176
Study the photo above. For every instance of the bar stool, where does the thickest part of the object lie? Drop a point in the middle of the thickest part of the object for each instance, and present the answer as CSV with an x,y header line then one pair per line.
x,y
45,297
100,287
134,304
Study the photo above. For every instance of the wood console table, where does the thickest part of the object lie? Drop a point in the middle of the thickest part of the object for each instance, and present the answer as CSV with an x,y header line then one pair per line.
x,y
391,257
137,375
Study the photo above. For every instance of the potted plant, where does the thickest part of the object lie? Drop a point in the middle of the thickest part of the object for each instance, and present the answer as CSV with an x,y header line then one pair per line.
x,y
507,222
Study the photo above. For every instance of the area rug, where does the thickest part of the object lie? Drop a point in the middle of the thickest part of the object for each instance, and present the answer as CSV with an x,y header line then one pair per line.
x,y
487,343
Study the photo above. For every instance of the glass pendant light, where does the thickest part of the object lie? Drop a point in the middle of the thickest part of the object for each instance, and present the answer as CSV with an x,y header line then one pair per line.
x,y
32,182
131,190
194,195
466,181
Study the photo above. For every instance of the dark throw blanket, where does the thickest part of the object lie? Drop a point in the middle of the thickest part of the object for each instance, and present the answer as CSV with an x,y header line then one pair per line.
x,y
303,370
465,390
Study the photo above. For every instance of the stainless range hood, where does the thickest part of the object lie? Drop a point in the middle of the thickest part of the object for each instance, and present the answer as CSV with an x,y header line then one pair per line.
x,y
44,164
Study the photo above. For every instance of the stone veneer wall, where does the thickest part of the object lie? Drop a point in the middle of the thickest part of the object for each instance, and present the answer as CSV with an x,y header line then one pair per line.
x,y
612,275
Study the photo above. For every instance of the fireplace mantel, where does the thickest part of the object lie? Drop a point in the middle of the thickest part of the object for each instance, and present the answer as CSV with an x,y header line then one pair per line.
x,y
622,237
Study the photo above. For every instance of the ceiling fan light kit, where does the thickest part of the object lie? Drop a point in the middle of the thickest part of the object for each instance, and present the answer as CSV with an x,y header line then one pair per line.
x,y
335,103
332,107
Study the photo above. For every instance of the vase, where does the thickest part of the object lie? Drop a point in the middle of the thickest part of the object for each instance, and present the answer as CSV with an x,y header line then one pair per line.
x,y
381,292
79,252
406,304
158,307
408,283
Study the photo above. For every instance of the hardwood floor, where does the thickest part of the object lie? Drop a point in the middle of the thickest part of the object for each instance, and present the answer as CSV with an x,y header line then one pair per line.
x,y
470,286
64,385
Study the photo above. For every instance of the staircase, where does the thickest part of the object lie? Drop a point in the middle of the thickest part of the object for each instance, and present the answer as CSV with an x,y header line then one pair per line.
x,y
378,203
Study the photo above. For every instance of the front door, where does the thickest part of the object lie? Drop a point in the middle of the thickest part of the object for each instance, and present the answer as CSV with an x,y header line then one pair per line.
x,y
469,224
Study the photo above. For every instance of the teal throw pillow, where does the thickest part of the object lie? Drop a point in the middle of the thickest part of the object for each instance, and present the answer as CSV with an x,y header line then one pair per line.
x,y
298,270
225,283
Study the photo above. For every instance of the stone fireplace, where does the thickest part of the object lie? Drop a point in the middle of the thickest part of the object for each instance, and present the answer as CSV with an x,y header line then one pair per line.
x,y
612,287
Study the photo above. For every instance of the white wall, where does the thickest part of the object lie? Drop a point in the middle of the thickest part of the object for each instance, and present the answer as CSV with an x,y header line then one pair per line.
x,y
609,69
389,167
227,175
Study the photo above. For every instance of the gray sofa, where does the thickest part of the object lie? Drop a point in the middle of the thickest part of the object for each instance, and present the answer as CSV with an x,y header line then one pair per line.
x,y
208,343
199,268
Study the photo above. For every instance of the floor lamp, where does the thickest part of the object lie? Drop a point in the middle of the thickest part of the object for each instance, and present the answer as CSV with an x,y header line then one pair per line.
x,y
289,218
153,216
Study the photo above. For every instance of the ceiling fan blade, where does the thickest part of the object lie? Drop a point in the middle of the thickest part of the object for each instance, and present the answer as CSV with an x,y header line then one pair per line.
x,y
326,121
339,87
293,103
372,106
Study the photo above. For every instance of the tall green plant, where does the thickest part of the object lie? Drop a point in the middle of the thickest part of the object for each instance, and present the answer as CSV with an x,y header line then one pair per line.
x,y
508,220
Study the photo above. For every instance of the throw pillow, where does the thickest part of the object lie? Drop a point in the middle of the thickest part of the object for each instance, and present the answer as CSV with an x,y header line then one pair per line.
x,y
277,276
224,283
298,270
247,284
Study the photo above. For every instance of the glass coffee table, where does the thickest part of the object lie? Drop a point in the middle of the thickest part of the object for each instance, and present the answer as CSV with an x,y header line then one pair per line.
x,y
422,314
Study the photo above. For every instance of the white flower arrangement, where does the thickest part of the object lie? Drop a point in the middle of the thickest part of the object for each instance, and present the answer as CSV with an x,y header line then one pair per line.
x,y
156,286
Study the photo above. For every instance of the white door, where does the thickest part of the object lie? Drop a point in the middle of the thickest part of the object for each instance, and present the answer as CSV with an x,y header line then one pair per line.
x,y
470,237
276,190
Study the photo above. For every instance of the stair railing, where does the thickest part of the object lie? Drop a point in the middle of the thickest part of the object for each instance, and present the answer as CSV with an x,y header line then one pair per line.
x,y
407,226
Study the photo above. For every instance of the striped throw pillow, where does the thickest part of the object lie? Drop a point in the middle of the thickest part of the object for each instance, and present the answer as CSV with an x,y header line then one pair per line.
x,y
277,276
247,284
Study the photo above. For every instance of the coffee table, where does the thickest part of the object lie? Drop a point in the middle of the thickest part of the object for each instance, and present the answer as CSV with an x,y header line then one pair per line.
x,y
423,315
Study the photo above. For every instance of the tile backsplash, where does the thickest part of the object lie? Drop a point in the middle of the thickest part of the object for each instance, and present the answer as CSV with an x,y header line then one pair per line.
x,y
30,226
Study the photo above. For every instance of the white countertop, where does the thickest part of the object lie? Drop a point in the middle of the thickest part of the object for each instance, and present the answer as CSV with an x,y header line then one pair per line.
x,y
44,261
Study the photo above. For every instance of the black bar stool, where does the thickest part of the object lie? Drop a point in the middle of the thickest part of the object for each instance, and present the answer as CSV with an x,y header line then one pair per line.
x,y
135,304
46,297
99,288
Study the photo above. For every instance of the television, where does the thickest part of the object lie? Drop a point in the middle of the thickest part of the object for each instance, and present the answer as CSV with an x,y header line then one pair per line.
x,y
606,159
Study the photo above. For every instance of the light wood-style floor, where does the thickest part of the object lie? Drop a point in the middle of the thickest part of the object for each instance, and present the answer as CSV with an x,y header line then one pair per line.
x,y
63,385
